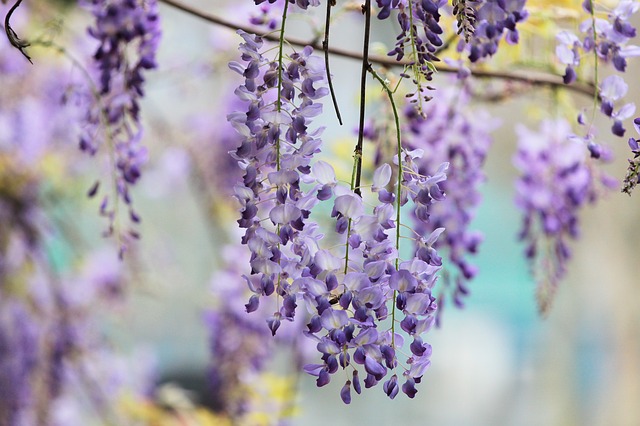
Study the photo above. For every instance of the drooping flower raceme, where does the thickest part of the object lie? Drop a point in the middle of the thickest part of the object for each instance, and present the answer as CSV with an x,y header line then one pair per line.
x,y
494,20
241,345
605,40
276,149
609,40
557,180
351,299
127,32
419,39
450,134
351,291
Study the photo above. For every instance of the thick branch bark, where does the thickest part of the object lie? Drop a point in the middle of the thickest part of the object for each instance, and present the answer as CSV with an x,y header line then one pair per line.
x,y
520,77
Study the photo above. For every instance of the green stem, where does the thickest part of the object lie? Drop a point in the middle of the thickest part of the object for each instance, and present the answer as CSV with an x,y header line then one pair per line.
x,y
414,54
280,58
346,245
396,119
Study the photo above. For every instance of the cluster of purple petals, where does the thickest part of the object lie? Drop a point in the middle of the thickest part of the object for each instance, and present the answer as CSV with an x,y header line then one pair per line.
x,y
632,179
44,320
348,300
420,34
426,30
495,19
275,153
240,344
609,40
302,4
557,180
462,139
46,333
351,306
128,33
613,89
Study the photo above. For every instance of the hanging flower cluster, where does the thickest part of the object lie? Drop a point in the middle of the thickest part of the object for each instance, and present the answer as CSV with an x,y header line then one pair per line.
x,y
351,294
557,180
344,281
419,28
495,19
420,37
240,344
607,37
607,40
449,134
128,33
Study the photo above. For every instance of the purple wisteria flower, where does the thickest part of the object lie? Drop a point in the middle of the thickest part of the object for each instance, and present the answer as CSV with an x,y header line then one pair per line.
x,y
610,40
612,35
419,39
352,300
46,325
557,180
606,39
128,33
612,89
240,344
351,290
495,19
419,25
462,138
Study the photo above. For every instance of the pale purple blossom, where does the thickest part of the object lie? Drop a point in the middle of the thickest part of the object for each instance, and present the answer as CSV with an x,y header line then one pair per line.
x,y
113,114
557,180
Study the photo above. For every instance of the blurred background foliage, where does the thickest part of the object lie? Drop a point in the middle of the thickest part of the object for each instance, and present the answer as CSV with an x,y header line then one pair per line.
x,y
497,362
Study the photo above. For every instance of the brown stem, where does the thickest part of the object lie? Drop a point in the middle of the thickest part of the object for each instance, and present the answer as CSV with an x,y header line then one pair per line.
x,y
325,47
366,9
11,34
550,80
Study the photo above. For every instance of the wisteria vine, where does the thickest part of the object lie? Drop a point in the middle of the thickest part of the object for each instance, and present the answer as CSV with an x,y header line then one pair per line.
x,y
128,33
361,266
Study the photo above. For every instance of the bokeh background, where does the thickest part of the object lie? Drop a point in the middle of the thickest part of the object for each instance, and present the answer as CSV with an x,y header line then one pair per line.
x,y
497,362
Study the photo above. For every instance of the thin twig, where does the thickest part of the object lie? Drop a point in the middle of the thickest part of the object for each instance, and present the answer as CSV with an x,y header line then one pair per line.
x,y
325,46
15,41
366,9
551,80
396,120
